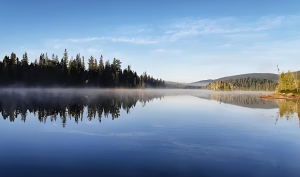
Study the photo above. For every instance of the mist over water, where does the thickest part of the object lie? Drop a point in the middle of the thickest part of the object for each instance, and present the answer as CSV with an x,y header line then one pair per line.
x,y
147,132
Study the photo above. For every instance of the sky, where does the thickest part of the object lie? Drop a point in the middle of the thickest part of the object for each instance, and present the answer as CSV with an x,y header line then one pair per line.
x,y
181,41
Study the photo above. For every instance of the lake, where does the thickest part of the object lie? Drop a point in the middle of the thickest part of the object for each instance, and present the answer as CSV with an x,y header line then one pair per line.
x,y
94,132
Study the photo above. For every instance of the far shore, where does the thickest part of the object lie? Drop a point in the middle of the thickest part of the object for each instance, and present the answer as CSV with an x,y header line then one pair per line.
x,y
280,96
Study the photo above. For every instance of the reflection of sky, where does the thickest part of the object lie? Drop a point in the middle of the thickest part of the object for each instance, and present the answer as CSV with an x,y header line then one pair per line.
x,y
174,136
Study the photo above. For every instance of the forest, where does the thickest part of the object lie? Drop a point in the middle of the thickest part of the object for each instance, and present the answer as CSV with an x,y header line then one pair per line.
x,y
288,82
250,84
52,72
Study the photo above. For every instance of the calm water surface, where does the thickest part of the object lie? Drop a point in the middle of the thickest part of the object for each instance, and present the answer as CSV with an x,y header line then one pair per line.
x,y
66,132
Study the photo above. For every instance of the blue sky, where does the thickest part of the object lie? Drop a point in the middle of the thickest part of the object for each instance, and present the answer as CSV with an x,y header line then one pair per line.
x,y
181,41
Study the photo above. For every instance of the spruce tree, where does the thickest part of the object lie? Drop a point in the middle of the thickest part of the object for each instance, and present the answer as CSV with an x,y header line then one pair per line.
x,y
24,61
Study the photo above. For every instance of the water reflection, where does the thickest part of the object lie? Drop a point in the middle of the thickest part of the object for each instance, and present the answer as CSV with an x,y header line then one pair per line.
x,y
186,133
246,99
70,103
287,109
97,104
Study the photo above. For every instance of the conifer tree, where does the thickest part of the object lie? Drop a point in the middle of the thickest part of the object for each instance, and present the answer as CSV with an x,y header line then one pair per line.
x,y
101,66
56,59
13,59
91,63
65,58
83,63
46,59
24,61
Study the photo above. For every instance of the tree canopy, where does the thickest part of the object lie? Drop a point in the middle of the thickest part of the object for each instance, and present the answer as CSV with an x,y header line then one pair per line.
x,y
71,72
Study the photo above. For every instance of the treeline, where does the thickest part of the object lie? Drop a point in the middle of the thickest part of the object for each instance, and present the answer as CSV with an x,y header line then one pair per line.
x,y
250,84
176,85
288,82
47,71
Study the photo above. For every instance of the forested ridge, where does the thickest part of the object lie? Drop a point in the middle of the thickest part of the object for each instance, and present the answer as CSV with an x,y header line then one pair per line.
x,y
251,84
63,72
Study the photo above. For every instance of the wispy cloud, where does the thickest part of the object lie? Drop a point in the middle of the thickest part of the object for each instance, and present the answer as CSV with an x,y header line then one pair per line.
x,y
134,40
229,25
169,32
166,51
189,27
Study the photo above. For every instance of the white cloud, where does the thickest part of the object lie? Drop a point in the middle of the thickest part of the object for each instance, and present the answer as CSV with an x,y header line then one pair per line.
x,y
166,51
169,32
203,43
194,27
56,46
229,27
93,50
134,40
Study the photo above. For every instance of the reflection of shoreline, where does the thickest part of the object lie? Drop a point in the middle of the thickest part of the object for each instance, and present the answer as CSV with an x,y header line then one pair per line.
x,y
287,109
66,103
244,100
93,104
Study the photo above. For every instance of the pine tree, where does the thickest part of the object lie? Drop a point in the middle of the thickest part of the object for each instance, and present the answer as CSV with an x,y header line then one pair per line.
x,y
13,59
65,58
96,63
42,60
6,61
46,59
101,66
24,61
91,63
56,59
83,63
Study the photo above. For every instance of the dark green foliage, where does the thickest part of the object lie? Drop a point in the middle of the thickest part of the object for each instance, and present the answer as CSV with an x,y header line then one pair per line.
x,y
250,84
46,72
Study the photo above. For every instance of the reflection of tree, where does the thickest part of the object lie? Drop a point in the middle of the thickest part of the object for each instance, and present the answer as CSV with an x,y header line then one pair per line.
x,y
287,109
245,100
48,105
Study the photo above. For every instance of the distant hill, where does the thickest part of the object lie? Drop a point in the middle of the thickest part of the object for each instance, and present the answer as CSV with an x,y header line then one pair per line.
x,y
269,76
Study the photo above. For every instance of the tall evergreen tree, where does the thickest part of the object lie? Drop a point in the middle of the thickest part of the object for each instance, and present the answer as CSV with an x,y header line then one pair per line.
x,y
65,58
101,66
91,63
24,61
13,59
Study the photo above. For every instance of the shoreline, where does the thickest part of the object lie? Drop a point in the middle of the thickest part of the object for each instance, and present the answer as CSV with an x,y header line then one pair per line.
x,y
289,96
